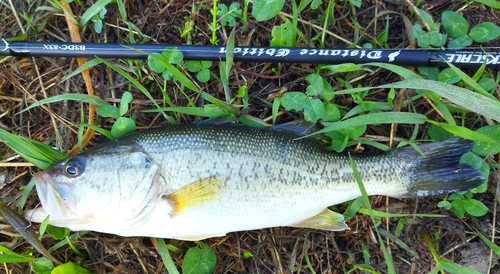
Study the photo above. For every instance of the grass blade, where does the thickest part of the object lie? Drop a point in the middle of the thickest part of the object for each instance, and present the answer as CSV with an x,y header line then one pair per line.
x,y
495,248
376,118
41,155
402,244
465,132
80,69
387,256
177,74
452,267
473,101
381,214
399,70
225,67
64,242
9,256
433,251
133,82
74,97
165,256
26,192
93,10
469,81
202,112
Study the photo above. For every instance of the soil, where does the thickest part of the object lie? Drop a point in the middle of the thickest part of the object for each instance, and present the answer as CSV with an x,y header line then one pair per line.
x,y
24,80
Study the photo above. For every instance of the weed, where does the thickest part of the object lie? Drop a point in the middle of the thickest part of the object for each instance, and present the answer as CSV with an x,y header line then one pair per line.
x,y
96,14
443,265
214,26
202,69
122,125
264,10
229,15
456,27
199,260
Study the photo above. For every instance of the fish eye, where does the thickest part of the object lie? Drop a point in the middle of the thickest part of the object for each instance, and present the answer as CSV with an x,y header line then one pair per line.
x,y
73,168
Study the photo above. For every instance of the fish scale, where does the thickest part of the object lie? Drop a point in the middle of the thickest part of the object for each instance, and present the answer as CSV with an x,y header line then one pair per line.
x,y
201,180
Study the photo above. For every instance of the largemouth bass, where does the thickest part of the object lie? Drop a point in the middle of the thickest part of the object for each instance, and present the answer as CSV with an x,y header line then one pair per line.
x,y
192,182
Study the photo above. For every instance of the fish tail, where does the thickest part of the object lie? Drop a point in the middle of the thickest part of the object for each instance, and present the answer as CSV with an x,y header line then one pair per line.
x,y
439,171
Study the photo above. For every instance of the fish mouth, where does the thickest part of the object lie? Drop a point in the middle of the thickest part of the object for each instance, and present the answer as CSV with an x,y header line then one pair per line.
x,y
36,215
52,202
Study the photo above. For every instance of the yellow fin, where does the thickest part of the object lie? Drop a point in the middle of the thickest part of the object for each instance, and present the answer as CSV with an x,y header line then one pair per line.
x,y
326,220
199,192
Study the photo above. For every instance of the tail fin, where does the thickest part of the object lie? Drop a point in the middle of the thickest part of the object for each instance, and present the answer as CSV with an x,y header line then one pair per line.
x,y
440,172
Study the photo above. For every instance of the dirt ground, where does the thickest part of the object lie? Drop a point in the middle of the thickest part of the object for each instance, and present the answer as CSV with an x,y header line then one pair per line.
x,y
274,250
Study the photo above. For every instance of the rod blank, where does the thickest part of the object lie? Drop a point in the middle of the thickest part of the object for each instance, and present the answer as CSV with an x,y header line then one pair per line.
x,y
403,57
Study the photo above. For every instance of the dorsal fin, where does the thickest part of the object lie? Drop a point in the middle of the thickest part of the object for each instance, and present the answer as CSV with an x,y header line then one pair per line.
x,y
297,127
221,120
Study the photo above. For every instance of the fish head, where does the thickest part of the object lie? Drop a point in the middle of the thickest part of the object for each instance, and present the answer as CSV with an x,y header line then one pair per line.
x,y
97,190
55,195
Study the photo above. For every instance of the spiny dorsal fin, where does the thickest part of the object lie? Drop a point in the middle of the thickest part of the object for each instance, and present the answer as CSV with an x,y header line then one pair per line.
x,y
326,220
226,119
297,127
196,193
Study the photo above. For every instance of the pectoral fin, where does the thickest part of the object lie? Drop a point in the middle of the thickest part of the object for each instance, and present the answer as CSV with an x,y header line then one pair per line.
x,y
199,192
326,220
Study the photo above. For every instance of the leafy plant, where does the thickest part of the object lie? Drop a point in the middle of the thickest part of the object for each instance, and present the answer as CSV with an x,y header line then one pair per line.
x,y
200,260
455,26
264,10
245,14
158,62
122,125
283,35
433,38
214,26
95,14
202,69
44,266
190,29
311,102
229,15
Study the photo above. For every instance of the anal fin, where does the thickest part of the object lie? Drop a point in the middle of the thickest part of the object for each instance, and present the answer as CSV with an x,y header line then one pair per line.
x,y
200,237
326,220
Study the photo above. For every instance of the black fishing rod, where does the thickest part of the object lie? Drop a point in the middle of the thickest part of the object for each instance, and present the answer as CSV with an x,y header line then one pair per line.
x,y
402,57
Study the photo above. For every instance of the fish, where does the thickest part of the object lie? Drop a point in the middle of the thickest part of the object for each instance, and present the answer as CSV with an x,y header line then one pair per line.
x,y
196,181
